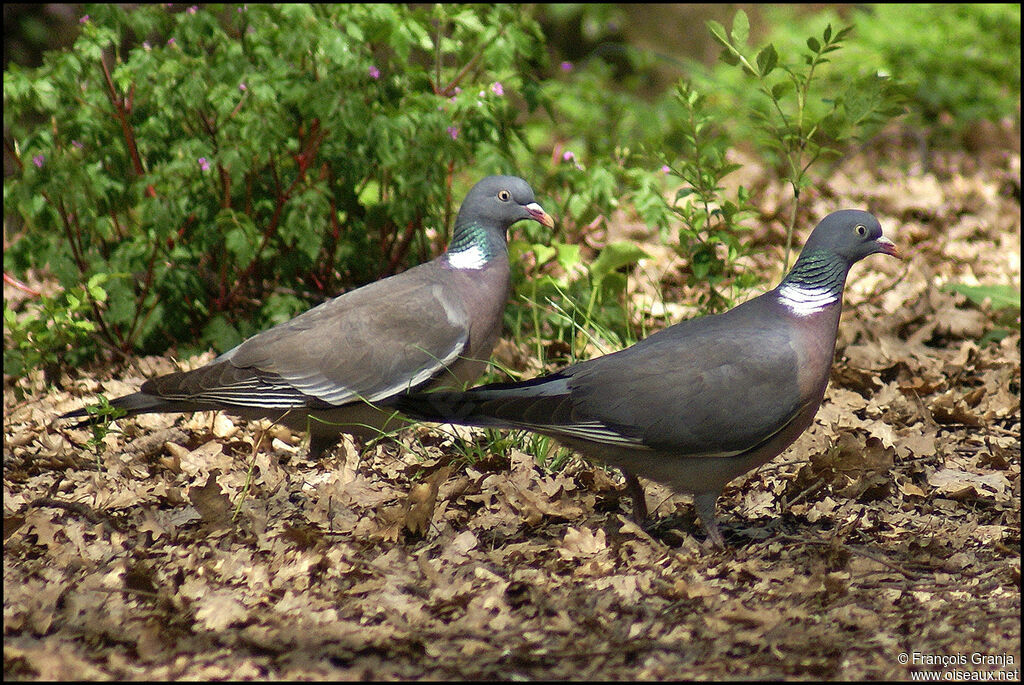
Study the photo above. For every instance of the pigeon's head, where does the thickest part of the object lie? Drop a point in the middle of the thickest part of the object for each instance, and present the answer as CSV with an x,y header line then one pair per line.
x,y
852,234
500,201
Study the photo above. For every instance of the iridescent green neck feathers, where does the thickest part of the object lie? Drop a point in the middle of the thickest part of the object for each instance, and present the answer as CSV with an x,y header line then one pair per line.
x,y
815,283
473,247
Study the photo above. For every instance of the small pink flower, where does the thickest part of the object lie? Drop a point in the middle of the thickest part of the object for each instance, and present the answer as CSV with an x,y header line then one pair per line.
x,y
192,9
569,156
203,164
453,131
374,72
566,66
38,160
497,89
665,168
171,41
76,144
84,19
242,87
146,46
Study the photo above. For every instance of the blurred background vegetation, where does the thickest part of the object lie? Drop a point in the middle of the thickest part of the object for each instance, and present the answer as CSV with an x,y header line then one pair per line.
x,y
194,174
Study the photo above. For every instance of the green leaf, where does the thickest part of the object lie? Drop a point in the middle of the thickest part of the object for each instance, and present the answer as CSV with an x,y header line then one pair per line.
x,y
1001,296
718,33
781,88
614,256
543,253
767,59
568,255
220,334
740,28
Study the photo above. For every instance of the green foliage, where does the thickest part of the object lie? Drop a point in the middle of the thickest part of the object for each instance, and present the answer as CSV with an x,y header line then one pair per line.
x,y
710,232
955,64
1004,301
798,116
53,331
960,60
596,133
597,136
573,304
610,151
238,162
104,414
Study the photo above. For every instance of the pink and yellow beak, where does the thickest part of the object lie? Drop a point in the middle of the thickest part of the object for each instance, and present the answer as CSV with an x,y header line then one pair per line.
x,y
539,215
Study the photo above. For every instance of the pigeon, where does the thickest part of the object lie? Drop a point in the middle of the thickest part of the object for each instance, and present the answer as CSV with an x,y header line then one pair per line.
x,y
328,369
696,404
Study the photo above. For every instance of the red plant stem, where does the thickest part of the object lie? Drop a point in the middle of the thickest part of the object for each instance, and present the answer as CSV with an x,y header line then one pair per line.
x,y
449,90
303,158
11,280
403,246
122,110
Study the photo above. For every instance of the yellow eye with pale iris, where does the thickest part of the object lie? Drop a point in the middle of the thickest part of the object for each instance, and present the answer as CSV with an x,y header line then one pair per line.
x,y
861,229
504,195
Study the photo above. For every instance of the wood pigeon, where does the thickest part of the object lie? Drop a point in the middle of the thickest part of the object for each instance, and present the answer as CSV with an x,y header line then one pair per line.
x,y
325,371
701,402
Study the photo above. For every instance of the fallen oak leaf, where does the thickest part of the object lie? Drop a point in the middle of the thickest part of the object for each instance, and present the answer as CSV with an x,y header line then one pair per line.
x,y
960,485
419,505
212,504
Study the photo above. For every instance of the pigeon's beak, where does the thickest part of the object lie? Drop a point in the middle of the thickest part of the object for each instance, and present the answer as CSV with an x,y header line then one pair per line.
x,y
538,214
886,246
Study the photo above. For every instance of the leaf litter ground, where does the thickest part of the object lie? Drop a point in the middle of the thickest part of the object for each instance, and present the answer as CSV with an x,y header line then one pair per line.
x,y
890,528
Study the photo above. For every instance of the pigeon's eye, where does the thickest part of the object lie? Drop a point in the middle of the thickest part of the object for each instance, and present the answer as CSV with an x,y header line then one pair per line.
x,y
504,195
861,229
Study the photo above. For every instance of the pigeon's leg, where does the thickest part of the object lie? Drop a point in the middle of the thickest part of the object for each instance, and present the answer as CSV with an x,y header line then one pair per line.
x,y
636,493
705,504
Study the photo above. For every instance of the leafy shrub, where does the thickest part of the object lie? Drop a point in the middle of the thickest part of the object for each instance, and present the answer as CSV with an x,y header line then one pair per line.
x,y
52,330
955,64
963,60
710,229
231,165
798,116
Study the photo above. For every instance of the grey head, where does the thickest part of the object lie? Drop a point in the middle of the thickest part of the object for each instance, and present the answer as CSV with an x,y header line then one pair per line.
x,y
851,234
817,279
490,208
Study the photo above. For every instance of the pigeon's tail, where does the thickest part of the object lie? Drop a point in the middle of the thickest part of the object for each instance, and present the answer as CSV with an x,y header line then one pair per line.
x,y
499,405
444,407
136,403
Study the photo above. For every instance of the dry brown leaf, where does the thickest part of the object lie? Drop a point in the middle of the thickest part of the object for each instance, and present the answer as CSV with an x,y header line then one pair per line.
x,y
419,505
211,503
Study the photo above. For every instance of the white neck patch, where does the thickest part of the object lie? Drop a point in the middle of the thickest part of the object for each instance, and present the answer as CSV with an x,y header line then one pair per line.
x,y
804,301
472,257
